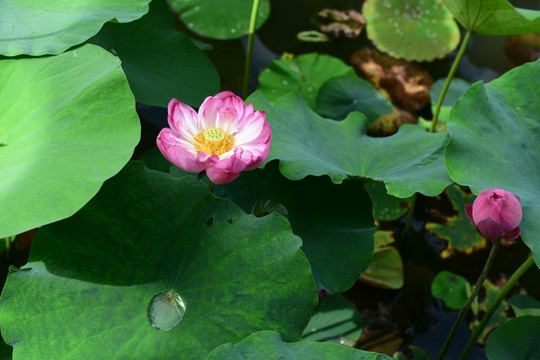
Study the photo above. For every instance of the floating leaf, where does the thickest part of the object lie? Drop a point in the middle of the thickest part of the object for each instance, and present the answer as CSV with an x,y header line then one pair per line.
x,y
498,317
143,234
345,233
304,74
228,20
459,231
515,340
156,74
494,17
306,144
336,320
385,270
418,354
268,345
347,93
70,123
494,132
51,27
419,30
452,289
386,207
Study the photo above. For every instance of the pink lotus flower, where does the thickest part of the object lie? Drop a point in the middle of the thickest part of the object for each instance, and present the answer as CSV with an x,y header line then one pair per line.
x,y
496,213
224,138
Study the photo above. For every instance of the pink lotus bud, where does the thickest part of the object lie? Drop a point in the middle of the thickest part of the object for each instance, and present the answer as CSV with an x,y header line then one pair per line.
x,y
496,213
224,138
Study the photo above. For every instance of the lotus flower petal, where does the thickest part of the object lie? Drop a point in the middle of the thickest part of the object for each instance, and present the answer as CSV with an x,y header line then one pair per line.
x,y
496,213
224,138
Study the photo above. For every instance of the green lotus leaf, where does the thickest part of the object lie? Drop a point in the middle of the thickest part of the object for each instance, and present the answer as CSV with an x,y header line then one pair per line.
x,y
162,63
229,20
343,94
304,74
515,340
336,320
461,234
268,345
419,30
494,132
89,288
452,289
50,27
386,207
385,270
345,233
494,17
525,305
499,316
68,123
306,144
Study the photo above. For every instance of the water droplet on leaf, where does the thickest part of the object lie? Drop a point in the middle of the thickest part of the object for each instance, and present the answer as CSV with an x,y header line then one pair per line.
x,y
165,310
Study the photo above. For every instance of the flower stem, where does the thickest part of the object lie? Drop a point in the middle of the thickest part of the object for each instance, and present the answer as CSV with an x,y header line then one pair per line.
x,y
476,290
211,186
495,304
451,73
249,53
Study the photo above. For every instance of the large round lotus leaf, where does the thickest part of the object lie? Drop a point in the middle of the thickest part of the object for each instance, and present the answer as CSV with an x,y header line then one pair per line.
x,y
345,232
343,94
515,340
160,63
50,27
85,291
306,144
494,17
67,123
220,20
304,74
495,135
419,30
268,345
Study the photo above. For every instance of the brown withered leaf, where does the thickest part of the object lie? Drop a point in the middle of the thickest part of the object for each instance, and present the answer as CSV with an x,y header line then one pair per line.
x,y
348,23
522,48
389,124
406,84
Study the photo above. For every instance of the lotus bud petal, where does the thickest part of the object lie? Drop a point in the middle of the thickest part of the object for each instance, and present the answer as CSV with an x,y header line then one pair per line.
x,y
496,213
224,138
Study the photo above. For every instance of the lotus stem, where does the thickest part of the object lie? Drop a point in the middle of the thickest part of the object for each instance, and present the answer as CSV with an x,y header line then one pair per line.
x,y
476,290
249,52
502,294
211,186
451,73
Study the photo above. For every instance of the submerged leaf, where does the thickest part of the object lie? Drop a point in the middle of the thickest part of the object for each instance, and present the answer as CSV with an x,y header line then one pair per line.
x,y
458,230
